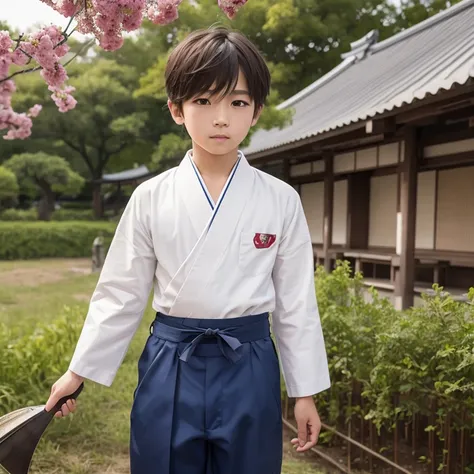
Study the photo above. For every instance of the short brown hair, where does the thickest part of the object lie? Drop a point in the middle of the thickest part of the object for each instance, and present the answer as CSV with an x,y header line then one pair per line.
x,y
214,56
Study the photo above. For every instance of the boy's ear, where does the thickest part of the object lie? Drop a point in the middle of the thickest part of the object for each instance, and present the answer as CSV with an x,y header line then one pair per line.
x,y
176,112
257,115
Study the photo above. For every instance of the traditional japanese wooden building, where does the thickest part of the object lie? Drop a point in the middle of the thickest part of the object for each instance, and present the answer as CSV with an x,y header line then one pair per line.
x,y
381,150
117,199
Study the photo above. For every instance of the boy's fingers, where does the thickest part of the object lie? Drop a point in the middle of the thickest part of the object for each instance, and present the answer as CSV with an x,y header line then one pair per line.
x,y
314,435
302,432
52,400
306,447
64,409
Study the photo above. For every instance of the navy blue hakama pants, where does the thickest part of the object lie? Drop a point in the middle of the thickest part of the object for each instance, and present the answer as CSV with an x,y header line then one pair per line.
x,y
208,399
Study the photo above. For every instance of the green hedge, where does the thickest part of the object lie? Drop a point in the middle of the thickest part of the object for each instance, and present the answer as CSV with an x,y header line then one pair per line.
x,y
27,240
85,205
59,215
19,215
401,363
73,215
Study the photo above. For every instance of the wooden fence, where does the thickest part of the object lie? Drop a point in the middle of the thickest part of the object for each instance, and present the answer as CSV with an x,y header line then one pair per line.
x,y
412,446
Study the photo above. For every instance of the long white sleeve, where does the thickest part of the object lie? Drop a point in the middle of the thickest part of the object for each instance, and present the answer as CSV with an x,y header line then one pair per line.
x,y
296,321
121,295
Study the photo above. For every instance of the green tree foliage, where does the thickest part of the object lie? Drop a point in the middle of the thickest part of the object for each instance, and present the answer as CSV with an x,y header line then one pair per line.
x,y
171,146
8,186
414,11
300,39
105,122
121,114
50,174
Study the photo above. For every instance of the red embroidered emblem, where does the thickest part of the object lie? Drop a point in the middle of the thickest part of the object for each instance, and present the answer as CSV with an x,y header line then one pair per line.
x,y
264,241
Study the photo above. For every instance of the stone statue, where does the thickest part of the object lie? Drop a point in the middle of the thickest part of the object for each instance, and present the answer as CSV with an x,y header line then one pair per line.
x,y
98,253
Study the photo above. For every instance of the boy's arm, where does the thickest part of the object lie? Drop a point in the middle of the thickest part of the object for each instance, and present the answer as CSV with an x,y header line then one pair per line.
x,y
121,295
296,322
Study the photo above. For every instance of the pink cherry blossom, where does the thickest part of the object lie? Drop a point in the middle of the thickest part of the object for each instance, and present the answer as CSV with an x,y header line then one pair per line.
x,y
133,21
165,12
5,63
19,125
35,110
63,98
5,42
105,19
110,42
19,58
56,76
231,7
67,8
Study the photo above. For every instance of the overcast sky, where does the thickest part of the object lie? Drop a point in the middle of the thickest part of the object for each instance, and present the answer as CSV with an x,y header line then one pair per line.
x,y
24,14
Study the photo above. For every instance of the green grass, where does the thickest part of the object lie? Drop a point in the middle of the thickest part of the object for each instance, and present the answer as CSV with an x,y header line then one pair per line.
x,y
95,438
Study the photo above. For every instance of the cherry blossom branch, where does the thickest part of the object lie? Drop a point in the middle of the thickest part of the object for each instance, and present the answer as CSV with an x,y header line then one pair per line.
x,y
84,46
106,20
68,25
23,71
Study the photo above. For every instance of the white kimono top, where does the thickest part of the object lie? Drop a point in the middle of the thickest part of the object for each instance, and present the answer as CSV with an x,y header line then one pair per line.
x,y
246,254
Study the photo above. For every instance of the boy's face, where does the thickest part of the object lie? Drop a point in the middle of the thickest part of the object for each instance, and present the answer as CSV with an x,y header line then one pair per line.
x,y
218,125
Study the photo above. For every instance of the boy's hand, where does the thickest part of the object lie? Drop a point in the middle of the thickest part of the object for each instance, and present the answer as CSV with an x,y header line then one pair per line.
x,y
309,424
66,385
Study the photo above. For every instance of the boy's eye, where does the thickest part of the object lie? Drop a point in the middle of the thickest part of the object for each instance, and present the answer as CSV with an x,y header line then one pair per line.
x,y
202,101
240,103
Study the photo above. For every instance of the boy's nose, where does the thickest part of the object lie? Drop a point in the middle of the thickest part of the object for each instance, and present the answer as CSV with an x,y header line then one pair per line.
x,y
221,122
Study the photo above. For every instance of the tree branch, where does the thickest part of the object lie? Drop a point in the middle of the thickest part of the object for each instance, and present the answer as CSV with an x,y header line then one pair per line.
x,y
24,71
118,149
85,155
26,54
81,150
69,24
85,45
38,68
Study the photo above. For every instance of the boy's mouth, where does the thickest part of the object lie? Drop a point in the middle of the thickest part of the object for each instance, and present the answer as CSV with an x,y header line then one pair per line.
x,y
220,137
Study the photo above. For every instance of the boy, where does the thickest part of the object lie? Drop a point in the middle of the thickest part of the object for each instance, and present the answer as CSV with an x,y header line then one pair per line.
x,y
225,245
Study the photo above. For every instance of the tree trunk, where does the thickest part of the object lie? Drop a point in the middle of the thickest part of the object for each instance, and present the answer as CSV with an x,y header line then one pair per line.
x,y
97,201
46,205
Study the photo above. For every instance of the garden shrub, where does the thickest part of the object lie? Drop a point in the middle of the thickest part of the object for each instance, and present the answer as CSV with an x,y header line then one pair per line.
x,y
27,240
403,363
73,215
59,215
32,362
19,215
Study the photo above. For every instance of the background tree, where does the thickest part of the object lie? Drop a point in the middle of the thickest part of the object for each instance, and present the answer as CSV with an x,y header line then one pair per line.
x,y
47,173
412,12
171,145
8,187
300,39
121,116
107,121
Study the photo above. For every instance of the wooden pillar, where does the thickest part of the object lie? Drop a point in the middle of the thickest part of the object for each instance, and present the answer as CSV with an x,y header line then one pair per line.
x,y
286,170
358,209
404,296
328,210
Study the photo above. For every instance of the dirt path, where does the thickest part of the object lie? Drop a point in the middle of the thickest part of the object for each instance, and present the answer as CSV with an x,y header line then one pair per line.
x,y
40,272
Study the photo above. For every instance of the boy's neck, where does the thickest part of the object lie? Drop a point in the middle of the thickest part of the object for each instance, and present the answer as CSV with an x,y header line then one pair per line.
x,y
213,165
